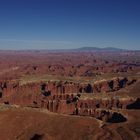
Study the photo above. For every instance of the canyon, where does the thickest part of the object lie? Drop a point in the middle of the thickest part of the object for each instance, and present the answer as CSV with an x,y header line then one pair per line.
x,y
83,88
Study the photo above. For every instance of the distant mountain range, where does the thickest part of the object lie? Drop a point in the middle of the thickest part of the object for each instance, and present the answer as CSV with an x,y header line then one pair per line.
x,y
95,49
99,49
91,49
82,49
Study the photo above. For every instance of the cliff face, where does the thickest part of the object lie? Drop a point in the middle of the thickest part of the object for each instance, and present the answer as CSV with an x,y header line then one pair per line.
x,y
62,97
8,88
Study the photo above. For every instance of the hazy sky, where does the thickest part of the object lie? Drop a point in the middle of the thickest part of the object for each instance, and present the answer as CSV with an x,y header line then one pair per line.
x,y
54,24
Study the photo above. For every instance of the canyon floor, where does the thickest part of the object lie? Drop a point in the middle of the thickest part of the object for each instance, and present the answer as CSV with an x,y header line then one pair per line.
x,y
50,95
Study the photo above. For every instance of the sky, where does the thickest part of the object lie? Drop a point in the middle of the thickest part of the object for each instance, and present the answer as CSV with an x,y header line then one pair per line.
x,y
59,24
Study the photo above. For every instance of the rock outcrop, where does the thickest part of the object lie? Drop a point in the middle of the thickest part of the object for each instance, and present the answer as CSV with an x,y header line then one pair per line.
x,y
64,97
